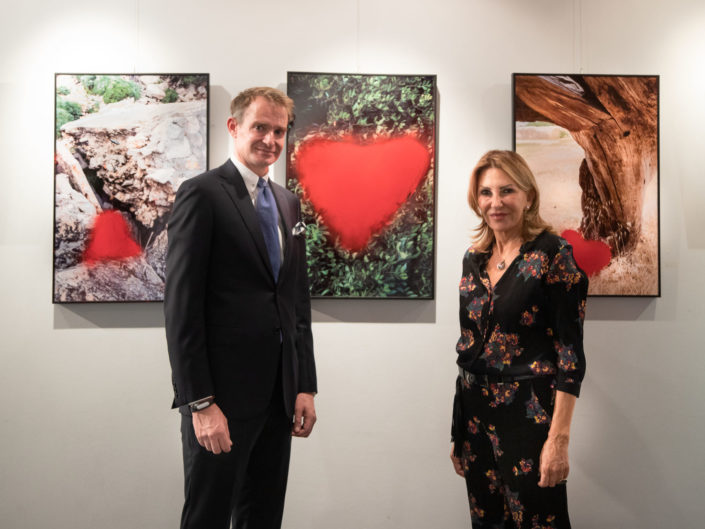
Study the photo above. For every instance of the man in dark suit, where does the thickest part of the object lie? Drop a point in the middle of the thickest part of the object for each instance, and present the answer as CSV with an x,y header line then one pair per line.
x,y
238,325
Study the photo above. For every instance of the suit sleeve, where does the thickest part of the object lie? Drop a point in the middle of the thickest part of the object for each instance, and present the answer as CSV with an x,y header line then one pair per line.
x,y
304,336
188,254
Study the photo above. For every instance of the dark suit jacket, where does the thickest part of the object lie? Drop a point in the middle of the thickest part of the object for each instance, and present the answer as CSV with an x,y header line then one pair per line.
x,y
228,323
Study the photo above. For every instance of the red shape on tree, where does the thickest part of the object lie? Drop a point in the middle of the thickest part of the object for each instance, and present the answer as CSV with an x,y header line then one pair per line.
x,y
591,256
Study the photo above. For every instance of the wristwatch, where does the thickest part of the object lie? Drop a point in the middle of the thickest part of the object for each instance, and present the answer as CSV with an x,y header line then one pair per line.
x,y
201,404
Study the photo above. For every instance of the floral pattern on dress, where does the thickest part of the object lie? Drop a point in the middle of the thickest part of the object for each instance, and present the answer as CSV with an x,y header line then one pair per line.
x,y
495,482
535,411
466,340
563,269
542,367
475,307
501,348
502,393
524,467
528,317
567,358
494,439
515,506
467,285
550,522
533,265
581,310
467,456
473,426
476,514
530,312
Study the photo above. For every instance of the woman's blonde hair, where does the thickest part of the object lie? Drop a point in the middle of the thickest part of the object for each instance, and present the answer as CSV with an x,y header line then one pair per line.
x,y
519,172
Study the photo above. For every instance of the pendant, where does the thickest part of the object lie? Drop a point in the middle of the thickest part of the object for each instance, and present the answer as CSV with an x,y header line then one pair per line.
x,y
501,265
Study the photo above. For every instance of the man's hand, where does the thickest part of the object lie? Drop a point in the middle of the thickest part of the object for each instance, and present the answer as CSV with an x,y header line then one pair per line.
x,y
211,429
553,465
304,415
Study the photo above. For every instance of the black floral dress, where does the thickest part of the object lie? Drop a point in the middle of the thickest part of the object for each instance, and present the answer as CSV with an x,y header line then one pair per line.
x,y
520,342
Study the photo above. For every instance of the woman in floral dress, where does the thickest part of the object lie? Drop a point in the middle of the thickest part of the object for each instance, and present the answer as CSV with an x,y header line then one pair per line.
x,y
520,354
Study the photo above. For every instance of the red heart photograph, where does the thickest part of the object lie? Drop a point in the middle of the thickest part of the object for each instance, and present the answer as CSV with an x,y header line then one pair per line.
x,y
361,157
357,188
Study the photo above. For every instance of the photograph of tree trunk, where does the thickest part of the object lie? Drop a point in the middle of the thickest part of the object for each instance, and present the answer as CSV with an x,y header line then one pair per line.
x,y
123,145
361,156
593,143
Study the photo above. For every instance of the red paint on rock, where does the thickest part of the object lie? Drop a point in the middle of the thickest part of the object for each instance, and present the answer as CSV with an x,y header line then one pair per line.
x,y
110,239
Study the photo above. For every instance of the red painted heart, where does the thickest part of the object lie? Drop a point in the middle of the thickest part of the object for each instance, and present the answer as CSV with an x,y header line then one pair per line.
x,y
356,188
591,256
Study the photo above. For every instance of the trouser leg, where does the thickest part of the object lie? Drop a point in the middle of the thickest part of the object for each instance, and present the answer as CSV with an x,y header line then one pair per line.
x,y
260,504
487,503
209,480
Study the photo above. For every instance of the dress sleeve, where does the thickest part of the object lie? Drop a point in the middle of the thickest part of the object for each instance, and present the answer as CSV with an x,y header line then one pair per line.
x,y
567,287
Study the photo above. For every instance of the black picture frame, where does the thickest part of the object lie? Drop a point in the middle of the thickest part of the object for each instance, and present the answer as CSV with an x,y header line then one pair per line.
x,y
592,141
361,155
123,143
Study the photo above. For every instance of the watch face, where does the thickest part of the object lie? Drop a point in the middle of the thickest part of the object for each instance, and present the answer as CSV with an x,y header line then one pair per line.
x,y
198,406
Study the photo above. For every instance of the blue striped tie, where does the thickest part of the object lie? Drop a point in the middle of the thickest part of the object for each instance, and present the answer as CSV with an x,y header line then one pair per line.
x,y
269,222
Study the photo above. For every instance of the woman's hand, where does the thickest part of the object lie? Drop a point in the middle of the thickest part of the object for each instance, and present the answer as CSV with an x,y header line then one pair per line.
x,y
553,464
457,465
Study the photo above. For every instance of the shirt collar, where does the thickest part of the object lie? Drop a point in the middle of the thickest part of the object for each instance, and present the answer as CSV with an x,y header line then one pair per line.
x,y
248,176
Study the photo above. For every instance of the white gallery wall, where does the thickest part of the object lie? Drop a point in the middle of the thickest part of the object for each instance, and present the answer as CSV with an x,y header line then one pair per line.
x,y
87,439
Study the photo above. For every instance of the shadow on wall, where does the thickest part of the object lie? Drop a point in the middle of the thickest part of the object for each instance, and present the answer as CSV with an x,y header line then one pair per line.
x,y
109,315
149,315
374,310
620,309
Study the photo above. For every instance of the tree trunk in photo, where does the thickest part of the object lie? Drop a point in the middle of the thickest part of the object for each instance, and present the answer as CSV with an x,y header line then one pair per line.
x,y
614,120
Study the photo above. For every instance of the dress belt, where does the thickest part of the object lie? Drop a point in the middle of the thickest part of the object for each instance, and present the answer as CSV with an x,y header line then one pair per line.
x,y
486,380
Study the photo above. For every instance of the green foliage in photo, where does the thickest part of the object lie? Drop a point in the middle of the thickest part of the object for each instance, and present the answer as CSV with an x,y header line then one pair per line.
x,y
197,80
66,111
112,88
397,262
170,96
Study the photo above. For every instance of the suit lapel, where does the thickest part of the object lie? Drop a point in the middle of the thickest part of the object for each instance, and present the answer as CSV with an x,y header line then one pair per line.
x,y
235,187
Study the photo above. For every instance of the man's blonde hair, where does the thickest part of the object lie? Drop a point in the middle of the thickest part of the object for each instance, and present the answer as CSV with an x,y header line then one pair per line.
x,y
245,98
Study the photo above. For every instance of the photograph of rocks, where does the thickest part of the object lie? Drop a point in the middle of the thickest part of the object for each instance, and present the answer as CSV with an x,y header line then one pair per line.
x,y
123,145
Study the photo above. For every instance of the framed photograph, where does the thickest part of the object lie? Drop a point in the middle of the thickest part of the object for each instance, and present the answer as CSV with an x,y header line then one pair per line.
x,y
123,145
361,156
592,142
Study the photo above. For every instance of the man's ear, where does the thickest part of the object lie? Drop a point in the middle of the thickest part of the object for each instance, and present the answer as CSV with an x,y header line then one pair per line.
x,y
232,127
